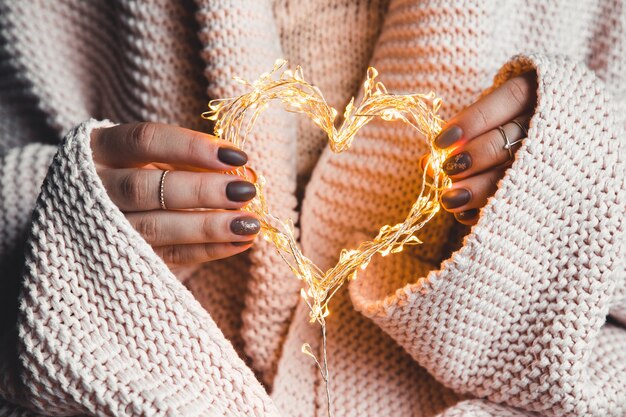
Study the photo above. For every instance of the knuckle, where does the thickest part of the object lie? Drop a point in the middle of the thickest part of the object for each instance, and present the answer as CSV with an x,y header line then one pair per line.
x,y
208,227
482,117
149,227
199,188
210,252
204,191
142,136
174,255
517,90
194,147
495,147
134,188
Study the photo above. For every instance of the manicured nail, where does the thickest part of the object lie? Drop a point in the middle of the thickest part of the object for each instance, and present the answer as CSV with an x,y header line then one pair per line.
x,y
232,156
467,214
245,226
247,242
457,163
240,191
455,197
448,136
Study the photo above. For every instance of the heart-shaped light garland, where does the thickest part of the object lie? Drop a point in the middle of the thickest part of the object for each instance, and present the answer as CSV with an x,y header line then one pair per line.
x,y
234,119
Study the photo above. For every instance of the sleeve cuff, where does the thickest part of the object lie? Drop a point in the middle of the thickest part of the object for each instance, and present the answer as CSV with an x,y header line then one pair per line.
x,y
515,313
103,320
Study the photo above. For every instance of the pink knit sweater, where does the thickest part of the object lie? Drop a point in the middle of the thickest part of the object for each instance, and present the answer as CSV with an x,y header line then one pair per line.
x,y
509,320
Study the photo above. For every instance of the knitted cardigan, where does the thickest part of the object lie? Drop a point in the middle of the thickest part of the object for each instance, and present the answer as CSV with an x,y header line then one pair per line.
x,y
508,320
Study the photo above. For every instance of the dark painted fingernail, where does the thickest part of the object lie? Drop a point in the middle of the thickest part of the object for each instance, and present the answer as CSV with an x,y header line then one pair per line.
x,y
232,156
457,163
247,242
245,226
448,136
455,197
467,214
240,191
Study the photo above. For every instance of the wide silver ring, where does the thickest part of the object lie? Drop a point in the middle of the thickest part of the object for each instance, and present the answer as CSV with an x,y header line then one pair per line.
x,y
162,189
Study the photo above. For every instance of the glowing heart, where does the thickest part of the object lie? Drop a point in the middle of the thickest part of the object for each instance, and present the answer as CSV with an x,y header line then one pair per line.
x,y
234,120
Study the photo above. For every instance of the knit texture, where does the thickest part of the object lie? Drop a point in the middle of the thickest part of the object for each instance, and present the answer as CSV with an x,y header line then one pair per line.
x,y
508,320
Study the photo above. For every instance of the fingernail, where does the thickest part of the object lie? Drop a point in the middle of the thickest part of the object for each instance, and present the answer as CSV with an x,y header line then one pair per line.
x,y
467,214
455,197
448,136
457,163
245,226
247,242
240,191
232,156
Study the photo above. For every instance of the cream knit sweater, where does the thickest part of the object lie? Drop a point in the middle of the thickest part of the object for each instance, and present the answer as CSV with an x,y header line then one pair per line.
x,y
510,321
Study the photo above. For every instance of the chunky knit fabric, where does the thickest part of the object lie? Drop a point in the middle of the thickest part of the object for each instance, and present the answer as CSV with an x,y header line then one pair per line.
x,y
509,320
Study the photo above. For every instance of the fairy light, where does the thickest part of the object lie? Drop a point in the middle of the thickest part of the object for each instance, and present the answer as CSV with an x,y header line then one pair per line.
x,y
234,120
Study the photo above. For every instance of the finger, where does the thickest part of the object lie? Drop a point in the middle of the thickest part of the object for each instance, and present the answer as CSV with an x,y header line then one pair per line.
x,y
472,192
198,253
164,228
485,151
139,189
138,144
515,97
425,165
467,217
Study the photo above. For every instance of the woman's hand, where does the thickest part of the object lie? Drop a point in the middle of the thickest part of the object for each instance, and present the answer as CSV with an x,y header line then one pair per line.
x,y
130,160
477,137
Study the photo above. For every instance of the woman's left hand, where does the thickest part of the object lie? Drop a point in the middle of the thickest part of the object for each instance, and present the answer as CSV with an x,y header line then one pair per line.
x,y
477,137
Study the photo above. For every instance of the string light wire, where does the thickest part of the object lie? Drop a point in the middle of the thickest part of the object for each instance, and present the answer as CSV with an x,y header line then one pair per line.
x,y
234,120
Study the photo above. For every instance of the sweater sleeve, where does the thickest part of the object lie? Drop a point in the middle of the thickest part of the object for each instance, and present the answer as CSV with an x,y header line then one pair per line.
x,y
517,314
22,170
104,328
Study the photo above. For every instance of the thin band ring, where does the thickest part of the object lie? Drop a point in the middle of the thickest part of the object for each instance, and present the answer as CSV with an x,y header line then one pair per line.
x,y
162,190
521,126
508,144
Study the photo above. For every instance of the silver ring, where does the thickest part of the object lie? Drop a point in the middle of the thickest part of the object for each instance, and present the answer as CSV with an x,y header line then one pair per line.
x,y
162,190
521,126
508,144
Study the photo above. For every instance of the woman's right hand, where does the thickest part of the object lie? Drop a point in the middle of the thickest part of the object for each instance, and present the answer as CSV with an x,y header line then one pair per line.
x,y
130,160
